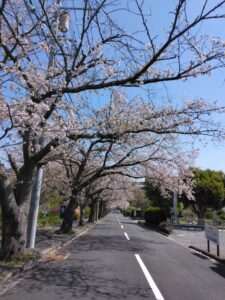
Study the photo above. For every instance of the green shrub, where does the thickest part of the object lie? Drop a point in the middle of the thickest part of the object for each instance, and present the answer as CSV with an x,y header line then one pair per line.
x,y
154,215
222,217
51,219
130,210
87,212
180,209
165,227
211,215
76,216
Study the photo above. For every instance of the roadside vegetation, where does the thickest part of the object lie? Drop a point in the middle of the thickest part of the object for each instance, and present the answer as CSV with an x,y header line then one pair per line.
x,y
208,206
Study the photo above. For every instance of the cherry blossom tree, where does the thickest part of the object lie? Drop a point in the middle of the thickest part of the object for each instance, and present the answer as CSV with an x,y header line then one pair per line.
x,y
41,67
135,140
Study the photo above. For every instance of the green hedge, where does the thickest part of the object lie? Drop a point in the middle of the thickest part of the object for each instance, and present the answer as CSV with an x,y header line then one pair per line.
x,y
222,216
129,211
165,227
154,215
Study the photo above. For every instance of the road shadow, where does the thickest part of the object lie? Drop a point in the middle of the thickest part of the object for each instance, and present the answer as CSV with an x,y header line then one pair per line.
x,y
200,255
219,268
76,279
129,222
116,243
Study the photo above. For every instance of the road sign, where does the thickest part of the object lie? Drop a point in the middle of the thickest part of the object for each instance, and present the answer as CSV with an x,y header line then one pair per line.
x,y
44,210
212,234
62,211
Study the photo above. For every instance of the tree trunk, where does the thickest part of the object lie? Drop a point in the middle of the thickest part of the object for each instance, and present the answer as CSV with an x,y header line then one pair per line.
x,y
67,223
100,214
92,212
201,216
14,214
81,221
13,232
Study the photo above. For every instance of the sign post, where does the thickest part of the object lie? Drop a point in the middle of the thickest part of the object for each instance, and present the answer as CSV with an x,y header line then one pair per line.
x,y
212,234
45,210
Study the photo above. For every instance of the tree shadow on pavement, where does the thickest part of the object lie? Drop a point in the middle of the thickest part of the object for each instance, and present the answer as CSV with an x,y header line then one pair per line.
x,y
115,243
76,280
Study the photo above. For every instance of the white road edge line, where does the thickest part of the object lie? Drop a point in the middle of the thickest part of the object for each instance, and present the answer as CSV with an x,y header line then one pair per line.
x,y
149,278
126,235
121,226
66,256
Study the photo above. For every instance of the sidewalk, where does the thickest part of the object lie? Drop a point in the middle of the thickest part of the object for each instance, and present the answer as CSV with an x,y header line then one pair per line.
x,y
197,239
47,243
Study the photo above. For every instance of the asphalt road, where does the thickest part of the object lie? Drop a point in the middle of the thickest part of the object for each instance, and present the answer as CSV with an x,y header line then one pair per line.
x,y
118,259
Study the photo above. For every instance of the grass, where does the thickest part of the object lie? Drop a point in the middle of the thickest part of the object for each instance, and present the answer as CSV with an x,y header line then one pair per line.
x,y
51,219
20,259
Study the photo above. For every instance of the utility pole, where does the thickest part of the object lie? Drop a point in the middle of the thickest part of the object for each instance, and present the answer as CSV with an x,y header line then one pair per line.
x,y
175,207
61,22
36,192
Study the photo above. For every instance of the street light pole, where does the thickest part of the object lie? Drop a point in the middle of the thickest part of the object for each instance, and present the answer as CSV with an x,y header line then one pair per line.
x,y
36,192
175,207
62,23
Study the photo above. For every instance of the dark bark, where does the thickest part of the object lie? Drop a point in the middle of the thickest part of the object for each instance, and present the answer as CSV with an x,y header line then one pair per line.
x,y
92,212
13,232
14,215
67,223
101,209
81,221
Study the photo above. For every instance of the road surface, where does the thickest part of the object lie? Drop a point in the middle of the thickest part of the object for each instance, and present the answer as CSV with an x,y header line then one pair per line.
x,y
118,259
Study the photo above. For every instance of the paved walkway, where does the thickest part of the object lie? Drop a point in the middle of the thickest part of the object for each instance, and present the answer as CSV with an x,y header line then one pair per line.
x,y
47,242
195,238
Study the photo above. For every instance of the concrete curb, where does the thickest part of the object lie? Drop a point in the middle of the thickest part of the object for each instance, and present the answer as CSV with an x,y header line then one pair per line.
x,y
50,250
221,260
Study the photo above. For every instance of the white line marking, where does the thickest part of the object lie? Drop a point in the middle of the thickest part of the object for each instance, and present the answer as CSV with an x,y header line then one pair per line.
x,y
149,278
10,286
121,226
126,235
203,255
66,256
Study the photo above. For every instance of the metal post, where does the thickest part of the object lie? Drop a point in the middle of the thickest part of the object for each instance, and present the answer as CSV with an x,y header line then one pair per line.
x,y
35,200
208,246
175,207
34,206
36,192
97,213
218,250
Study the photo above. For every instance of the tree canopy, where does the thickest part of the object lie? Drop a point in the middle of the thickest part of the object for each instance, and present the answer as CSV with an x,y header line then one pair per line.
x,y
209,191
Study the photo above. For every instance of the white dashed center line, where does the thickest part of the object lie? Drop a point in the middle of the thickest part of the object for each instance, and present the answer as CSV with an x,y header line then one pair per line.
x,y
149,278
126,235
